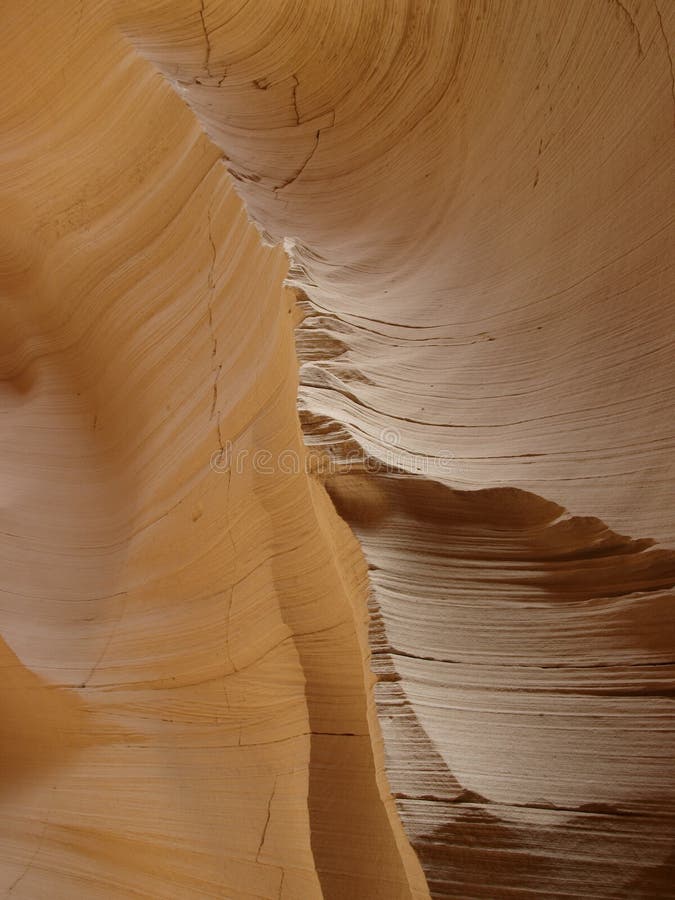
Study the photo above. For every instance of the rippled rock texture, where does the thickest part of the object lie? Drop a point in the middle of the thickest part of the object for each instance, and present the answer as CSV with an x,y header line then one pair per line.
x,y
336,462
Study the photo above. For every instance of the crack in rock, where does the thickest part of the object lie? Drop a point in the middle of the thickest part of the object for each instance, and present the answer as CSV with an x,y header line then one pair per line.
x,y
211,283
308,158
267,820
670,58
207,58
631,24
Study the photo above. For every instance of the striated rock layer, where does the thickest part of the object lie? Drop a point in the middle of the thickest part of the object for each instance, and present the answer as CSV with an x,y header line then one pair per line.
x,y
464,218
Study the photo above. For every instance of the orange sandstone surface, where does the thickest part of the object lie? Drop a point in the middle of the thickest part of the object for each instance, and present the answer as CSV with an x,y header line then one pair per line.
x,y
337,490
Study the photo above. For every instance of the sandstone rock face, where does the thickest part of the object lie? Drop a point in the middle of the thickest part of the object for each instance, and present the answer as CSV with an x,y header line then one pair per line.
x,y
336,379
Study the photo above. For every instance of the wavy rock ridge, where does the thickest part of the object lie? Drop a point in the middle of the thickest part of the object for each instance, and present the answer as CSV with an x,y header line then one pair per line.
x,y
211,689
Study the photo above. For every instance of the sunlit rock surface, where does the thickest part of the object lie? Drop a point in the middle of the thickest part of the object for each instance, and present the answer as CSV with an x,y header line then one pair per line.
x,y
336,461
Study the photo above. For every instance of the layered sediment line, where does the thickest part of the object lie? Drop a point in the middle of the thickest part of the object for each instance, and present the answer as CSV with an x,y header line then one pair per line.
x,y
525,686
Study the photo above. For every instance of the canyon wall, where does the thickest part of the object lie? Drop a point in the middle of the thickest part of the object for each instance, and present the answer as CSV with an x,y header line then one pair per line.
x,y
337,486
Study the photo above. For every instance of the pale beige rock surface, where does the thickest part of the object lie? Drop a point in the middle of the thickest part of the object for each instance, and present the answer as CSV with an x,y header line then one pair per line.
x,y
476,200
